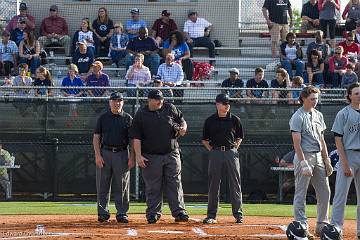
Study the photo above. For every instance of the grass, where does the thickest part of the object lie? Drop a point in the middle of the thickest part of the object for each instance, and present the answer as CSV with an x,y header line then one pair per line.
x,y
89,208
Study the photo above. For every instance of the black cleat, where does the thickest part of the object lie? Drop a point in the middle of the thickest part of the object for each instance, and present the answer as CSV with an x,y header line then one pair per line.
x,y
103,219
122,219
239,220
182,217
152,219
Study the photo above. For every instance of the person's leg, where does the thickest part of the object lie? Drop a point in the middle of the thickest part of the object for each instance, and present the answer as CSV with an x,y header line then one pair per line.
x,y
129,60
332,25
7,67
115,57
65,41
275,38
299,65
336,80
286,64
191,47
34,64
319,79
188,68
323,27
152,62
357,187
44,41
205,42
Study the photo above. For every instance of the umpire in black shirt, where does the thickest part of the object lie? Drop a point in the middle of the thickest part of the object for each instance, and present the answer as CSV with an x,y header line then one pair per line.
x,y
155,129
222,136
113,161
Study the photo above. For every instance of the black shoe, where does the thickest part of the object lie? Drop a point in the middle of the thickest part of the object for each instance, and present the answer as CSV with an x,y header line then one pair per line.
x,y
209,220
122,219
152,219
182,217
103,219
239,220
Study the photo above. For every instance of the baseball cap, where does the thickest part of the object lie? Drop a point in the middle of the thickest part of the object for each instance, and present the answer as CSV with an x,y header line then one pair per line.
x,y
223,98
165,13
156,78
135,11
5,33
116,96
54,8
234,70
155,94
191,12
98,63
22,6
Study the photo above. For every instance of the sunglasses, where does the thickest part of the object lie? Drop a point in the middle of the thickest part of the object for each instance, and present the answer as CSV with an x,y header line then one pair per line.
x,y
116,26
52,10
350,40
338,53
22,22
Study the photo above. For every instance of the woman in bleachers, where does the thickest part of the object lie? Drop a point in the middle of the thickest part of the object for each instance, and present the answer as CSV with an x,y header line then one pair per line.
x,y
291,55
327,16
118,43
22,80
43,79
137,75
351,14
176,44
103,28
315,69
29,51
84,34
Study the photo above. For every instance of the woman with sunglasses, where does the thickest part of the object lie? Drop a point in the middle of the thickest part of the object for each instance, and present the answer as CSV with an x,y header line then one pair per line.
x,y
103,28
337,66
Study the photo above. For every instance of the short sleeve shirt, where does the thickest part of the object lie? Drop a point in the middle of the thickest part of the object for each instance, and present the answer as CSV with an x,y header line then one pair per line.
x,y
311,11
102,81
76,82
138,45
179,50
134,25
277,10
42,83
314,67
253,84
83,61
196,29
275,84
311,127
163,29
102,29
227,83
7,51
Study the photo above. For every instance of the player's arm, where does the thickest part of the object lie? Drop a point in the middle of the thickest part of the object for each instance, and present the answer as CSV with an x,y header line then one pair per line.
x,y
296,137
342,156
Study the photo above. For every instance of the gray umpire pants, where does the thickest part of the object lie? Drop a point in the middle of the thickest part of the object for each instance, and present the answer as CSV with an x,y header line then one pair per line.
x,y
342,186
217,161
320,183
163,172
113,176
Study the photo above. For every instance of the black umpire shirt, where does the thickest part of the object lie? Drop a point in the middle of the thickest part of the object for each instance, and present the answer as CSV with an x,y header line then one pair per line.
x,y
155,129
222,131
114,128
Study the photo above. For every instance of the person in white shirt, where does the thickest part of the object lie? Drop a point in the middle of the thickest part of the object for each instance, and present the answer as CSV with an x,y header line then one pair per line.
x,y
197,31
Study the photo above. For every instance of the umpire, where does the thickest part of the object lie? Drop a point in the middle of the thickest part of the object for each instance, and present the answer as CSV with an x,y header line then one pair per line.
x,y
111,142
222,136
155,130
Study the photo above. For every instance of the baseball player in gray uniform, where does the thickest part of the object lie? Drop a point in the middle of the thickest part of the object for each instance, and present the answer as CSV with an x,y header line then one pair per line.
x,y
311,162
346,129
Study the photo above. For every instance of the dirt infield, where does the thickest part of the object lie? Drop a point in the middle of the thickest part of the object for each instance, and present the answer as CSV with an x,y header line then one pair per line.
x,y
87,227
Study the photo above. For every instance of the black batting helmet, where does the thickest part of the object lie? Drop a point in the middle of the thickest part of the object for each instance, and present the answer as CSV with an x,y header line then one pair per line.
x,y
330,232
295,231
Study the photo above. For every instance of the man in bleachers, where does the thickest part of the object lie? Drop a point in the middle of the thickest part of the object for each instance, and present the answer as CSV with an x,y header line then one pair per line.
x,y
275,13
29,20
257,82
8,54
54,31
132,27
83,59
310,16
97,79
17,35
197,33
163,27
148,47
233,82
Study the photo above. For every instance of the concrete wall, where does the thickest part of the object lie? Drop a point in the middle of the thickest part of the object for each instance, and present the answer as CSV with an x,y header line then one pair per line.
x,y
222,14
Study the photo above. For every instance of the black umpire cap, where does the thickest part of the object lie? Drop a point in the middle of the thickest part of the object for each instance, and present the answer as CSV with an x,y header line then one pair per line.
x,y
116,96
155,94
223,98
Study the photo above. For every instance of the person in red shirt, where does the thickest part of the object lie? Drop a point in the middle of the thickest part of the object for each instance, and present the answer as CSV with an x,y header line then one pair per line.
x,y
30,20
351,49
337,66
163,27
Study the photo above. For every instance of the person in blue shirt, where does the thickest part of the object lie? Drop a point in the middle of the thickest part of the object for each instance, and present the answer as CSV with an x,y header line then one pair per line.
x,y
133,26
8,54
17,35
83,58
118,43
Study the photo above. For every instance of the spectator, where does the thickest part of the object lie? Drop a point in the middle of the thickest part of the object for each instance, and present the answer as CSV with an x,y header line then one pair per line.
x,y
43,80
97,79
54,31
103,28
327,16
176,44
310,16
8,54
83,59
148,47
167,92
233,82
163,27
5,159
349,77
257,82
351,49
297,82
137,75
320,45
118,42
197,32
84,34
17,35
351,14
29,51
30,20
132,27
276,18
357,32
315,70
291,55
337,66
22,80
282,80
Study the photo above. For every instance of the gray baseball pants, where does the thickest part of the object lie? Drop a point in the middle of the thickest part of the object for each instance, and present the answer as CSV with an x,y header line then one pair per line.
x,y
113,176
320,183
163,172
4,183
230,161
342,186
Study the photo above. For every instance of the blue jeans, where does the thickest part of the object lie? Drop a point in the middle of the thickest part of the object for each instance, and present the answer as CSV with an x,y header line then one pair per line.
x,y
299,66
336,79
34,63
116,56
151,61
317,81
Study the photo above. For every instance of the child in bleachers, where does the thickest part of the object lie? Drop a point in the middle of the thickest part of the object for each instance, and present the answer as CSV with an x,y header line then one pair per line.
x,y
297,82
349,77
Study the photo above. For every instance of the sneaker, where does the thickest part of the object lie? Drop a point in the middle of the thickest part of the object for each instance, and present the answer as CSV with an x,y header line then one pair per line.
x,y
103,219
182,217
152,219
209,220
239,220
122,219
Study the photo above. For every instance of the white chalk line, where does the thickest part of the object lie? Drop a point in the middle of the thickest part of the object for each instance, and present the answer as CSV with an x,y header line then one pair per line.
x,y
195,219
132,232
166,231
199,231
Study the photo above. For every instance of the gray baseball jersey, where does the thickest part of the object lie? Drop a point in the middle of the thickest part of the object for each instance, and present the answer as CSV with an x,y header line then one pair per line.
x,y
347,124
311,126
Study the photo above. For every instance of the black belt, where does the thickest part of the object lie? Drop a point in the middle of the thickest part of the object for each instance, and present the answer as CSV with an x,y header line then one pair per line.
x,y
223,148
313,152
114,148
356,150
